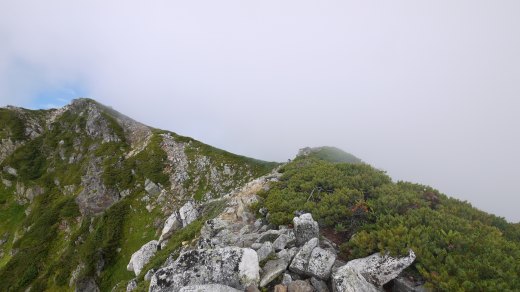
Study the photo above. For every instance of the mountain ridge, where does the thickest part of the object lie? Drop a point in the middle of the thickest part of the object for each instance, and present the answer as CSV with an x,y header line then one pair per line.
x,y
92,200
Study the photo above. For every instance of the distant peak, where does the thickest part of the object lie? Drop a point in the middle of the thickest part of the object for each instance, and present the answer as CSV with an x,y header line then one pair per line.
x,y
329,153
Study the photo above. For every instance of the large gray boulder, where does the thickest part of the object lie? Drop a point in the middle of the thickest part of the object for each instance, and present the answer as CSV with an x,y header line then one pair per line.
x,y
301,259
320,263
367,274
231,266
347,279
188,213
284,240
380,269
172,224
141,257
305,228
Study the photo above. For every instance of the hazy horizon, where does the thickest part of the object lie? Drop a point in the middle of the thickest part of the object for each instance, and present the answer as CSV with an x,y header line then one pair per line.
x,y
429,92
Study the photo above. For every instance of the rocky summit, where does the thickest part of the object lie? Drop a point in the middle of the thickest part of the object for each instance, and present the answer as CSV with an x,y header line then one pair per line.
x,y
91,200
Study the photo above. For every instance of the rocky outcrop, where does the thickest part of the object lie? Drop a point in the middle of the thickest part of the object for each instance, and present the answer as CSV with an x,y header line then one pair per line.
x,y
231,266
188,213
367,274
301,259
95,197
141,257
305,228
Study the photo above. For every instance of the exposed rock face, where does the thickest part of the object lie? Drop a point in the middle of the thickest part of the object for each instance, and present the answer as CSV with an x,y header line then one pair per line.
x,y
95,197
209,288
284,240
305,228
188,213
230,266
172,223
141,257
366,274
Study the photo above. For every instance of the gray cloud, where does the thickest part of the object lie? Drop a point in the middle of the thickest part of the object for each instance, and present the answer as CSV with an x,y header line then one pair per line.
x,y
429,92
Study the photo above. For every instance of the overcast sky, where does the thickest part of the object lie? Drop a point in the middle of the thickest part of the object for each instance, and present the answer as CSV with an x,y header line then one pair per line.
x,y
426,90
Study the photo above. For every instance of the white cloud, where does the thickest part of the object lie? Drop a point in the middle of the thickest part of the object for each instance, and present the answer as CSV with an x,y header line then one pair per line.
x,y
427,91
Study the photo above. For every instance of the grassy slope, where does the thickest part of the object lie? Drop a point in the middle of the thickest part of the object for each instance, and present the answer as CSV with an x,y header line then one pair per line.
x,y
126,225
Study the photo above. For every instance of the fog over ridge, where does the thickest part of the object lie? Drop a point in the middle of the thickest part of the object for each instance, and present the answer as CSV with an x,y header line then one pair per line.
x,y
429,92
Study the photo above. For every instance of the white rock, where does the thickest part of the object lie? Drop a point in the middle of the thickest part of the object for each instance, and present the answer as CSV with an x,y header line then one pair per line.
x,y
172,223
367,274
378,269
320,263
301,259
188,213
305,228
265,251
346,279
141,257
230,266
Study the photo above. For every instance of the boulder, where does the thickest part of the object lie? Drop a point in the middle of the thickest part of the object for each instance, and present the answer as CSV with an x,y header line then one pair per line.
x,y
301,259
300,286
347,279
283,240
305,228
230,266
319,286
172,224
151,188
367,274
320,263
380,269
209,288
287,254
256,245
265,251
269,235
272,270
188,213
141,257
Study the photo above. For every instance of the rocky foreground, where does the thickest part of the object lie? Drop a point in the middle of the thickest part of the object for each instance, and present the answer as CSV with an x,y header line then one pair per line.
x,y
237,252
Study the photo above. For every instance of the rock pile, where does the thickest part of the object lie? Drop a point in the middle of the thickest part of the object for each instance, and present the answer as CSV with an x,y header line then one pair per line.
x,y
236,252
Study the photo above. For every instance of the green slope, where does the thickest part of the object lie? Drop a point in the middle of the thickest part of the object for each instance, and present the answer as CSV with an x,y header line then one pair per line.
x,y
55,228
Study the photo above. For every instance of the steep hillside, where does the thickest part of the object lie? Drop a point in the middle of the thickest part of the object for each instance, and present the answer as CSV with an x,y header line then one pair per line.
x,y
83,187
457,247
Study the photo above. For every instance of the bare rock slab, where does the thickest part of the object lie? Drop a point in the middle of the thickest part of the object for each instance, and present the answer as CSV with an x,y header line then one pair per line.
x,y
230,266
